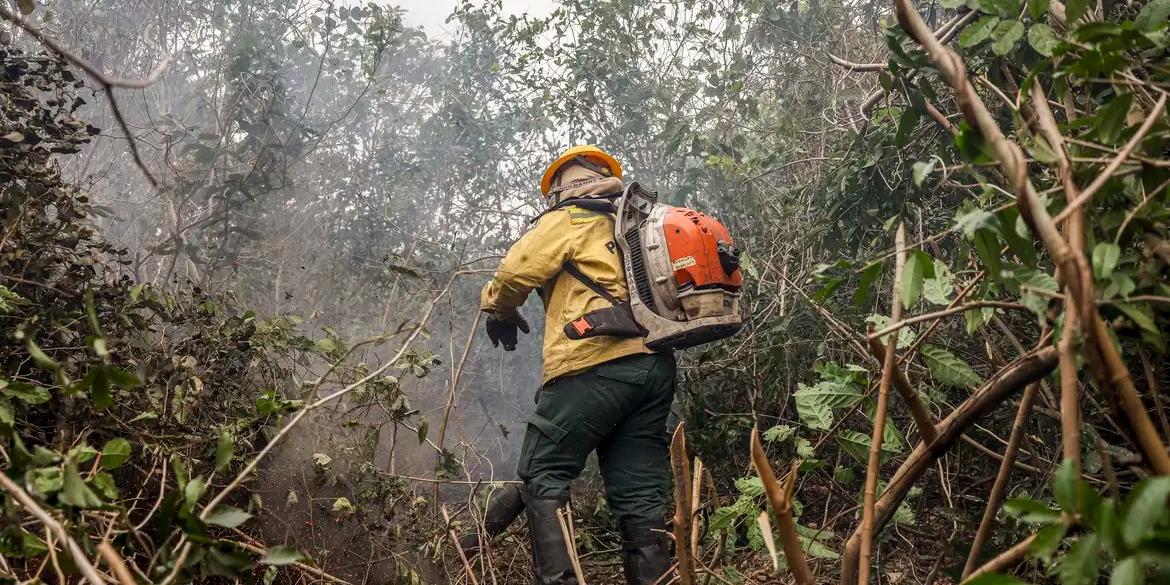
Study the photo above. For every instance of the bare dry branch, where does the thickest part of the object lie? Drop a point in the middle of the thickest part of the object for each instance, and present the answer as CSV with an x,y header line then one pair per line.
x,y
1026,370
108,82
780,496
682,505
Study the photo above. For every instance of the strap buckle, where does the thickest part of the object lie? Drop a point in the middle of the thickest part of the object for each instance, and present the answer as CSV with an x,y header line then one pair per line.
x,y
581,326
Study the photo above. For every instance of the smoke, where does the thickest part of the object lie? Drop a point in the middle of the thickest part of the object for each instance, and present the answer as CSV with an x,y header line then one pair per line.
x,y
326,161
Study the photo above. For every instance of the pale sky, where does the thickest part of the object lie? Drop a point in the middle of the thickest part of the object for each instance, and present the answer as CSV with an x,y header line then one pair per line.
x,y
431,14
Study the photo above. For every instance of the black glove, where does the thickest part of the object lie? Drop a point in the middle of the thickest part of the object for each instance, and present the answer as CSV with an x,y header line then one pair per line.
x,y
500,331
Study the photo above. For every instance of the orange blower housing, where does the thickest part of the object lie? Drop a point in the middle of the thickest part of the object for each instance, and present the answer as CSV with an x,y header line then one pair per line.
x,y
695,242
683,269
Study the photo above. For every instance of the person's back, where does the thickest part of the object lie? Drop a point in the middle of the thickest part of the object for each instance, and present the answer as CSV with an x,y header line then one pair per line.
x,y
605,393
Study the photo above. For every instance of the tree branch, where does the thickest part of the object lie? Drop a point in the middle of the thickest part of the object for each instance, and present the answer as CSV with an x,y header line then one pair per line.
x,y
108,82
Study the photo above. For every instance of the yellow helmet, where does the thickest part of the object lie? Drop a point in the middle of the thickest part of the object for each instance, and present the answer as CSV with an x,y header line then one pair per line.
x,y
589,152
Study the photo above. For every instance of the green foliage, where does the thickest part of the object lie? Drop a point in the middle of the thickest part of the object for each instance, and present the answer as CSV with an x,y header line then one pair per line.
x,y
82,363
948,369
1129,535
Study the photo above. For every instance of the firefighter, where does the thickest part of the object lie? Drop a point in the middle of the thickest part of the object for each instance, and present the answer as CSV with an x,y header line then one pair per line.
x,y
605,393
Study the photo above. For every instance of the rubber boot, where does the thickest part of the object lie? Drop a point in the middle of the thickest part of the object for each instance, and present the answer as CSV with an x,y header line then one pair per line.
x,y
504,507
645,552
550,557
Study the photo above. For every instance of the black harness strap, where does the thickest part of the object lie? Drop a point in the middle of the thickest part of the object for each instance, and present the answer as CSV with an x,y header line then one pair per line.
x,y
570,267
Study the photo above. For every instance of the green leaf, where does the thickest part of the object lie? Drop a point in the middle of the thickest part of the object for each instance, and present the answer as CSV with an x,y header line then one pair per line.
x,y
422,431
122,378
949,369
115,453
1043,39
99,388
76,493
1110,120
979,31
938,290
1030,511
1144,508
1081,562
7,416
778,433
918,263
921,170
1105,256
1006,34
1047,540
858,444
988,247
1064,486
972,220
104,484
225,449
82,453
228,517
815,404
805,449
26,393
1037,9
40,358
722,518
1033,286
868,275
1140,315
1153,15
26,6
1127,571
193,491
906,125
1074,9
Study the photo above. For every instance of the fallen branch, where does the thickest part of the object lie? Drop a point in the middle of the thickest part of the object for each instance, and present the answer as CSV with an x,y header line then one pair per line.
x,y
850,65
1005,560
565,519
918,410
455,541
1025,370
999,488
116,563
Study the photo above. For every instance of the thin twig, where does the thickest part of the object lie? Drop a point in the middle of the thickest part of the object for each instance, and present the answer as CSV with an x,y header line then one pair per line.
x,y
1152,118
51,523
971,306
879,417
999,488
459,549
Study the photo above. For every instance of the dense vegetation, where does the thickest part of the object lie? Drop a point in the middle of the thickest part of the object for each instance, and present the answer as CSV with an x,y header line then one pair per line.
x,y
956,217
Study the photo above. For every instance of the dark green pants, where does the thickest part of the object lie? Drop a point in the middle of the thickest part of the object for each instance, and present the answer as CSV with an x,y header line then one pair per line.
x,y
618,408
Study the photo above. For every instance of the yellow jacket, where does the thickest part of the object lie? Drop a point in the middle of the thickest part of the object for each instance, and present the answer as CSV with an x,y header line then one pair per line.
x,y
586,238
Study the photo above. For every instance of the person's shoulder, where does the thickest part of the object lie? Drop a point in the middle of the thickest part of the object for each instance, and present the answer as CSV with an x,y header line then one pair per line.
x,y
579,214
